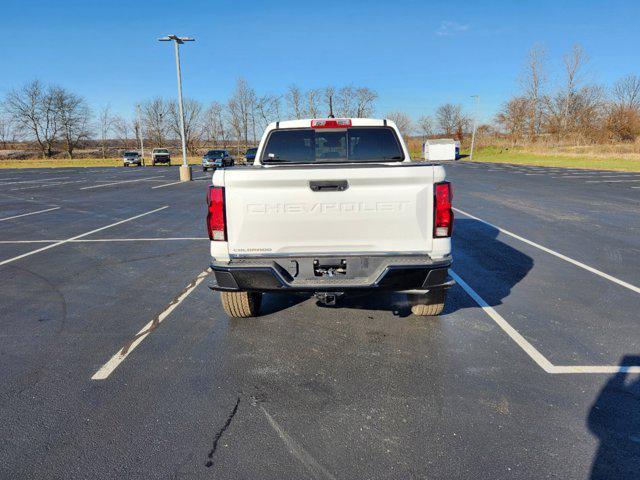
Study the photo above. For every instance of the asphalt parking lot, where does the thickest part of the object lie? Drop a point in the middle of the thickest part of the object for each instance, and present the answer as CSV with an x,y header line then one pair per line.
x,y
118,362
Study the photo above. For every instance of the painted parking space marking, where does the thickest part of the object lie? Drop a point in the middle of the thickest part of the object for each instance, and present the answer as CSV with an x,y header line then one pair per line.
x,y
34,181
584,266
108,368
167,184
76,237
176,183
99,240
612,181
529,349
29,213
47,185
121,182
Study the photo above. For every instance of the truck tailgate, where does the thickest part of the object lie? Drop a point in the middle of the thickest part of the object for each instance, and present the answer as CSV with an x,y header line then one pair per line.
x,y
298,210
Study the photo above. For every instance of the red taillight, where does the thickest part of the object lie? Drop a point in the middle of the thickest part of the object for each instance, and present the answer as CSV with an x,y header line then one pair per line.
x,y
442,213
331,123
216,218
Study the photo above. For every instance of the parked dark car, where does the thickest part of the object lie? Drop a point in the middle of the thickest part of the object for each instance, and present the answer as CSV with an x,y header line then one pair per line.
x,y
250,155
216,159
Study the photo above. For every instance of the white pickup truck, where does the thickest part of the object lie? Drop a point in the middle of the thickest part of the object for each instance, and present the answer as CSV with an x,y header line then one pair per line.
x,y
330,207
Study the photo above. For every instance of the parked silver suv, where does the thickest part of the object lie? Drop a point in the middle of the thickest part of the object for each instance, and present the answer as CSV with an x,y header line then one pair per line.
x,y
132,158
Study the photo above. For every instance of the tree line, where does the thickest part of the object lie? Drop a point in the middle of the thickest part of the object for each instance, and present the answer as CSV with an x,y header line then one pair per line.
x,y
572,109
53,118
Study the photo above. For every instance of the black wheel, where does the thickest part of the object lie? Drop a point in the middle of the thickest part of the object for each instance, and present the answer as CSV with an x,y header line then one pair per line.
x,y
204,169
241,304
431,304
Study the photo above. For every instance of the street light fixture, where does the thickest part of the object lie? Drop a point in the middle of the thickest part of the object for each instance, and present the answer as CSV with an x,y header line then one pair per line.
x,y
475,124
185,170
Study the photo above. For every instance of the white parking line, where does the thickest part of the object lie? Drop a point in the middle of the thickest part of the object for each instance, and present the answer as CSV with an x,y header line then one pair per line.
x,y
30,213
124,352
612,181
34,181
62,242
595,271
166,184
175,183
123,181
529,349
582,177
46,185
89,240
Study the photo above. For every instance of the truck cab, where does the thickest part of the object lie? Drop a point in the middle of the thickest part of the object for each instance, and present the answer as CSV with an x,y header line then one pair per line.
x,y
331,207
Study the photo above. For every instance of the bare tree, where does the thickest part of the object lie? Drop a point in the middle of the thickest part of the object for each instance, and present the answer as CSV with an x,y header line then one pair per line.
x,y
267,109
313,103
346,102
626,91
364,98
329,98
122,129
105,124
155,120
73,117
513,117
425,125
193,127
402,121
293,98
235,120
533,81
243,105
447,118
214,125
574,64
32,107
7,130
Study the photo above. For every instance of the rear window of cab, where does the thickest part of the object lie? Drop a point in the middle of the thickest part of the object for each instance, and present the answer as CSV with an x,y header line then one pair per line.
x,y
355,144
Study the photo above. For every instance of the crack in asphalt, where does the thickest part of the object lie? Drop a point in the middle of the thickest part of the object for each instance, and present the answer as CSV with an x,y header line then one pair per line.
x,y
216,439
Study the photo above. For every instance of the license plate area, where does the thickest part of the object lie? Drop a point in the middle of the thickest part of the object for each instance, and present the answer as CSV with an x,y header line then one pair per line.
x,y
329,267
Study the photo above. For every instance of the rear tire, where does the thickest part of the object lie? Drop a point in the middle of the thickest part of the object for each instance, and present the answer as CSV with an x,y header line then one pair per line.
x,y
241,304
429,305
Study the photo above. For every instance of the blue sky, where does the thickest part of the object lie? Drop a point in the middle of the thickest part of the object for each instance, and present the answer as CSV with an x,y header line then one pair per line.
x,y
415,54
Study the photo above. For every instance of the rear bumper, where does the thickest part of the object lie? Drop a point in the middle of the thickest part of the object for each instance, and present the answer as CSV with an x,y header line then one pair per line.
x,y
391,273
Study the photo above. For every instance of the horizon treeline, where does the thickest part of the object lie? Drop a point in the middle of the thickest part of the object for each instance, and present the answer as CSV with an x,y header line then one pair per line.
x,y
569,110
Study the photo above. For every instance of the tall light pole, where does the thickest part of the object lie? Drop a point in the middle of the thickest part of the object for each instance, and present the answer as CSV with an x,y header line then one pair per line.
x,y
139,121
185,170
475,124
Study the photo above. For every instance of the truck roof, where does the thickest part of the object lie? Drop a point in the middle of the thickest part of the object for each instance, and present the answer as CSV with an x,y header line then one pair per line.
x,y
440,141
355,122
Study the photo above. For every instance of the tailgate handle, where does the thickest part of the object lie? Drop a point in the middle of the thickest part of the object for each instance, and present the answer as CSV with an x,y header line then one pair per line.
x,y
329,185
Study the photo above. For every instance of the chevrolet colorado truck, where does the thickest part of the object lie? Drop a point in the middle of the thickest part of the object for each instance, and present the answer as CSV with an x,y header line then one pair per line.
x,y
331,207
